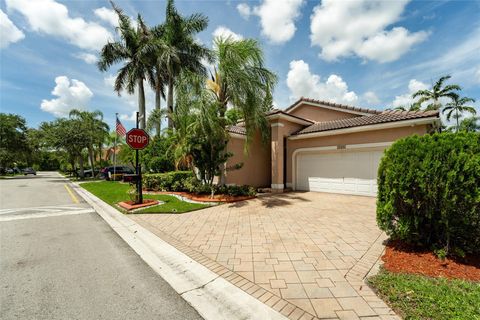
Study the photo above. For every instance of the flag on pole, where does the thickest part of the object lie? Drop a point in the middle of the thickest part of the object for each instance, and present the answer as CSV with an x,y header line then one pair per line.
x,y
120,128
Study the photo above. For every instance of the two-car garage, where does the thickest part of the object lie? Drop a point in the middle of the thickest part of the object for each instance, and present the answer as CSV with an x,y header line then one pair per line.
x,y
338,171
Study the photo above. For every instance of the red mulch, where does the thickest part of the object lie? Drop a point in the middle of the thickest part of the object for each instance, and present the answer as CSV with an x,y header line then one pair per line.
x,y
206,197
130,205
402,258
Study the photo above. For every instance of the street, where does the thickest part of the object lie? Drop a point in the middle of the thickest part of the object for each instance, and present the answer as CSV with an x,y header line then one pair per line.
x,y
60,260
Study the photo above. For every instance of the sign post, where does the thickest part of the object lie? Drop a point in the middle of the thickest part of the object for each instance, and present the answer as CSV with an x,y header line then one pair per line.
x,y
138,139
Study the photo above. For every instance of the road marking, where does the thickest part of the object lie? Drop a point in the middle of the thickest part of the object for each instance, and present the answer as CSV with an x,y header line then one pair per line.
x,y
72,195
44,215
44,208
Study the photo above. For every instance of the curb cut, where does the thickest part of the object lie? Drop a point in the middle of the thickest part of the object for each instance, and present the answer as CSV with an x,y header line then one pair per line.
x,y
212,296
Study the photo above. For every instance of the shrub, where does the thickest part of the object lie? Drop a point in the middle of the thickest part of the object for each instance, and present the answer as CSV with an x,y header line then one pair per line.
x,y
230,190
169,181
429,191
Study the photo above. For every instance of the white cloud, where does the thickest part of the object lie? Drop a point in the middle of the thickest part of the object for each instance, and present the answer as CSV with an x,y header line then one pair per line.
x,y
244,10
72,94
371,98
9,33
87,57
405,100
52,18
302,83
131,117
345,28
277,18
107,15
477,75
224,32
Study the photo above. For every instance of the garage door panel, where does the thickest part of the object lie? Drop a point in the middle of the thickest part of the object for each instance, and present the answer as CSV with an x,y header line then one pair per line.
x,y
349,172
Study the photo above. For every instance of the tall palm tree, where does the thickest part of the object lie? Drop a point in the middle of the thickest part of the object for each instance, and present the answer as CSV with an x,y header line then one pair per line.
x,y
133,49
471,124
457,107
241,80
438,91
182,52
154,120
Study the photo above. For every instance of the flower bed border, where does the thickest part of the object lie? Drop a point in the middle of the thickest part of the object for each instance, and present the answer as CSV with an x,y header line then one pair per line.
x,y
128,205
205,198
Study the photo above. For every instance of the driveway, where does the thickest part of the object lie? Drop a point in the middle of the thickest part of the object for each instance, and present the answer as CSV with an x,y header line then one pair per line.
x,y
304,254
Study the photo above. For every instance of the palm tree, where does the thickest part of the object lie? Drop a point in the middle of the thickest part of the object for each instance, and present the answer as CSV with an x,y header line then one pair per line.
x,y
133,48
241,80
181,52
471,124
413,107
438,91
457,107
154,120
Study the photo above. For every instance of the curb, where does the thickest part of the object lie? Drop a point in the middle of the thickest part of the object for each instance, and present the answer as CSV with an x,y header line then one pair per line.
x,y
212,296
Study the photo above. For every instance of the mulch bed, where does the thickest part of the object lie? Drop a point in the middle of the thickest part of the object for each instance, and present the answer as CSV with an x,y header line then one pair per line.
x,y
130,205
206,197
400,257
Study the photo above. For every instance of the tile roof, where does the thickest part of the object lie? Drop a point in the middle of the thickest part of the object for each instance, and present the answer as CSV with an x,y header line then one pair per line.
x,y
278,111
383,117
237,130
333,104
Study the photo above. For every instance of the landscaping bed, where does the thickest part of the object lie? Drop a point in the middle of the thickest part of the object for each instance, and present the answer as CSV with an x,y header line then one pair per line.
x,y
204,197
400,257
114,192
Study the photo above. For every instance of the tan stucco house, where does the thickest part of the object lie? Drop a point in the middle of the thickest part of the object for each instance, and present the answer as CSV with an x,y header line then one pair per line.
x,y
323,146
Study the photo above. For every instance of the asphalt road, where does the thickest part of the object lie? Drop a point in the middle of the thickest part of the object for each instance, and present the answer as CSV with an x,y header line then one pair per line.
x,y
60,260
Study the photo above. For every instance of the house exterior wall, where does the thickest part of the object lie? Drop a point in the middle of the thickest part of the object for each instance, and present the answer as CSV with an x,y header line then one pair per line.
x,y
384,135
319,114
256,170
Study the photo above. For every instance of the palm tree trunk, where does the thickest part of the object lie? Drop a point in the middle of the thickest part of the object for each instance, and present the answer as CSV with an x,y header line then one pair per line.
x,y
158,125
80,164
170,103
141,104
92,160
223,166
456,130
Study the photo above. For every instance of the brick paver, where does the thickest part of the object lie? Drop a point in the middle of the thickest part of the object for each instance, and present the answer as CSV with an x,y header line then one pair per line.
x,y
303,254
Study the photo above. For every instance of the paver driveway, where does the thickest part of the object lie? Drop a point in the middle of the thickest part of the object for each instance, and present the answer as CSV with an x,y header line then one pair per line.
x,y
304,254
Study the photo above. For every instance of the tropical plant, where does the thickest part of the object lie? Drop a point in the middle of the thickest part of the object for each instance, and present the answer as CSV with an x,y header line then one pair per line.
x,y
134,50
180,51
416,106
154,120
457,107
439,90
13,138
471,124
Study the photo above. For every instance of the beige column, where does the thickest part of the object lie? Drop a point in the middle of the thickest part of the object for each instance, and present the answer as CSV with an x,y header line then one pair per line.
x,y
277,157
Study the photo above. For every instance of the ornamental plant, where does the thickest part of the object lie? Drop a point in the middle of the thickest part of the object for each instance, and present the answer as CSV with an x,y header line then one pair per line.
x,y
429,192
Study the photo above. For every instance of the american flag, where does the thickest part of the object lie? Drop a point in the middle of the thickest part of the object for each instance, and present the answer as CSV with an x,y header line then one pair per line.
x,y
120,128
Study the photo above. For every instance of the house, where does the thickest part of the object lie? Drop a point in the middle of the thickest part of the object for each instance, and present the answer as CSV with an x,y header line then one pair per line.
x,y
323,146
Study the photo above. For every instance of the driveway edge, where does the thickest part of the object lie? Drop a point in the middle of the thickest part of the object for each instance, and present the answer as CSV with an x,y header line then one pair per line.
x,y
211,295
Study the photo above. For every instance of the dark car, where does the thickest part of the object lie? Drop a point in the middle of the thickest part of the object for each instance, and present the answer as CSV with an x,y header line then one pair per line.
x,y
29,171
106,172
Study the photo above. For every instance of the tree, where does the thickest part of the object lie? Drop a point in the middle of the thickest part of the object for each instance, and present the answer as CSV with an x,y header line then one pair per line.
x,y
241,80
181,52
154,120
438,91
13,139
133,49
471,124
416,106
95,128
457,107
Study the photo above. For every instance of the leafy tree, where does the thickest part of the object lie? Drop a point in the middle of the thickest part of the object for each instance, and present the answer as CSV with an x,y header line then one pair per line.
x,y
180,50
439,90
471,124
133,49
457,107
13,139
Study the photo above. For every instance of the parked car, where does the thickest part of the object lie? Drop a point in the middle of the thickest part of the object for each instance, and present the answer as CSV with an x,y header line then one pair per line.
x,y
29,171
104,173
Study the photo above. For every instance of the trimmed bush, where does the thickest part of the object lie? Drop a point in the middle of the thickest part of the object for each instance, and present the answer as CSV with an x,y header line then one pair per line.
x,y
429,192
169,181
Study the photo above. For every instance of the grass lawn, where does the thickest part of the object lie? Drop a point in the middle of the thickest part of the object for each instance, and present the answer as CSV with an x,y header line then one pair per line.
x,y
420,297
113,192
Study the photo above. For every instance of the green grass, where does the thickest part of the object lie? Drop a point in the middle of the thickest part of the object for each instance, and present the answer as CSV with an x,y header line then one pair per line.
x,y
113,192
419,297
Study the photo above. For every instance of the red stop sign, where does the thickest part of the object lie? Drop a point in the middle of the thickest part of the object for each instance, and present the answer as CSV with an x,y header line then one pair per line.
x,y
137,139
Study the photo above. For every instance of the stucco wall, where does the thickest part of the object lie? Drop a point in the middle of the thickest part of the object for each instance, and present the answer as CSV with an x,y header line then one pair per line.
x,y
385,135
319,114
256,170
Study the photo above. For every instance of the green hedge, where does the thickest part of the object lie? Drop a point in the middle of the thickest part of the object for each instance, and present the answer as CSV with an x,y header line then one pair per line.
x,y
185,181
429,192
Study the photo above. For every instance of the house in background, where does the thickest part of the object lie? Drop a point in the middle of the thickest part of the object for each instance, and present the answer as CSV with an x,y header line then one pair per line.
x,y
323,146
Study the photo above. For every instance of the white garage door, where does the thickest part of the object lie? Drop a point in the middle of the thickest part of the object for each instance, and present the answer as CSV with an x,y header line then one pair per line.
x,y
341,172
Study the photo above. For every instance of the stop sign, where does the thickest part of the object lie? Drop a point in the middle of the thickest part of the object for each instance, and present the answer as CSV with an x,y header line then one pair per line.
x,y
137,139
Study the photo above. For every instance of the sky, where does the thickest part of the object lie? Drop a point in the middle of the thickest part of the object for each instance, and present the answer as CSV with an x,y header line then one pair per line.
x,y
365,53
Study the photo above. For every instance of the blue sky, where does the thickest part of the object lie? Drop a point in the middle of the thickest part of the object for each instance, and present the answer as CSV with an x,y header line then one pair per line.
x,y
366,53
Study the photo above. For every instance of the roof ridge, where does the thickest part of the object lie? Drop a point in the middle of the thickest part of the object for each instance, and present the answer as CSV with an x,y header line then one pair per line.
x,y
334,104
